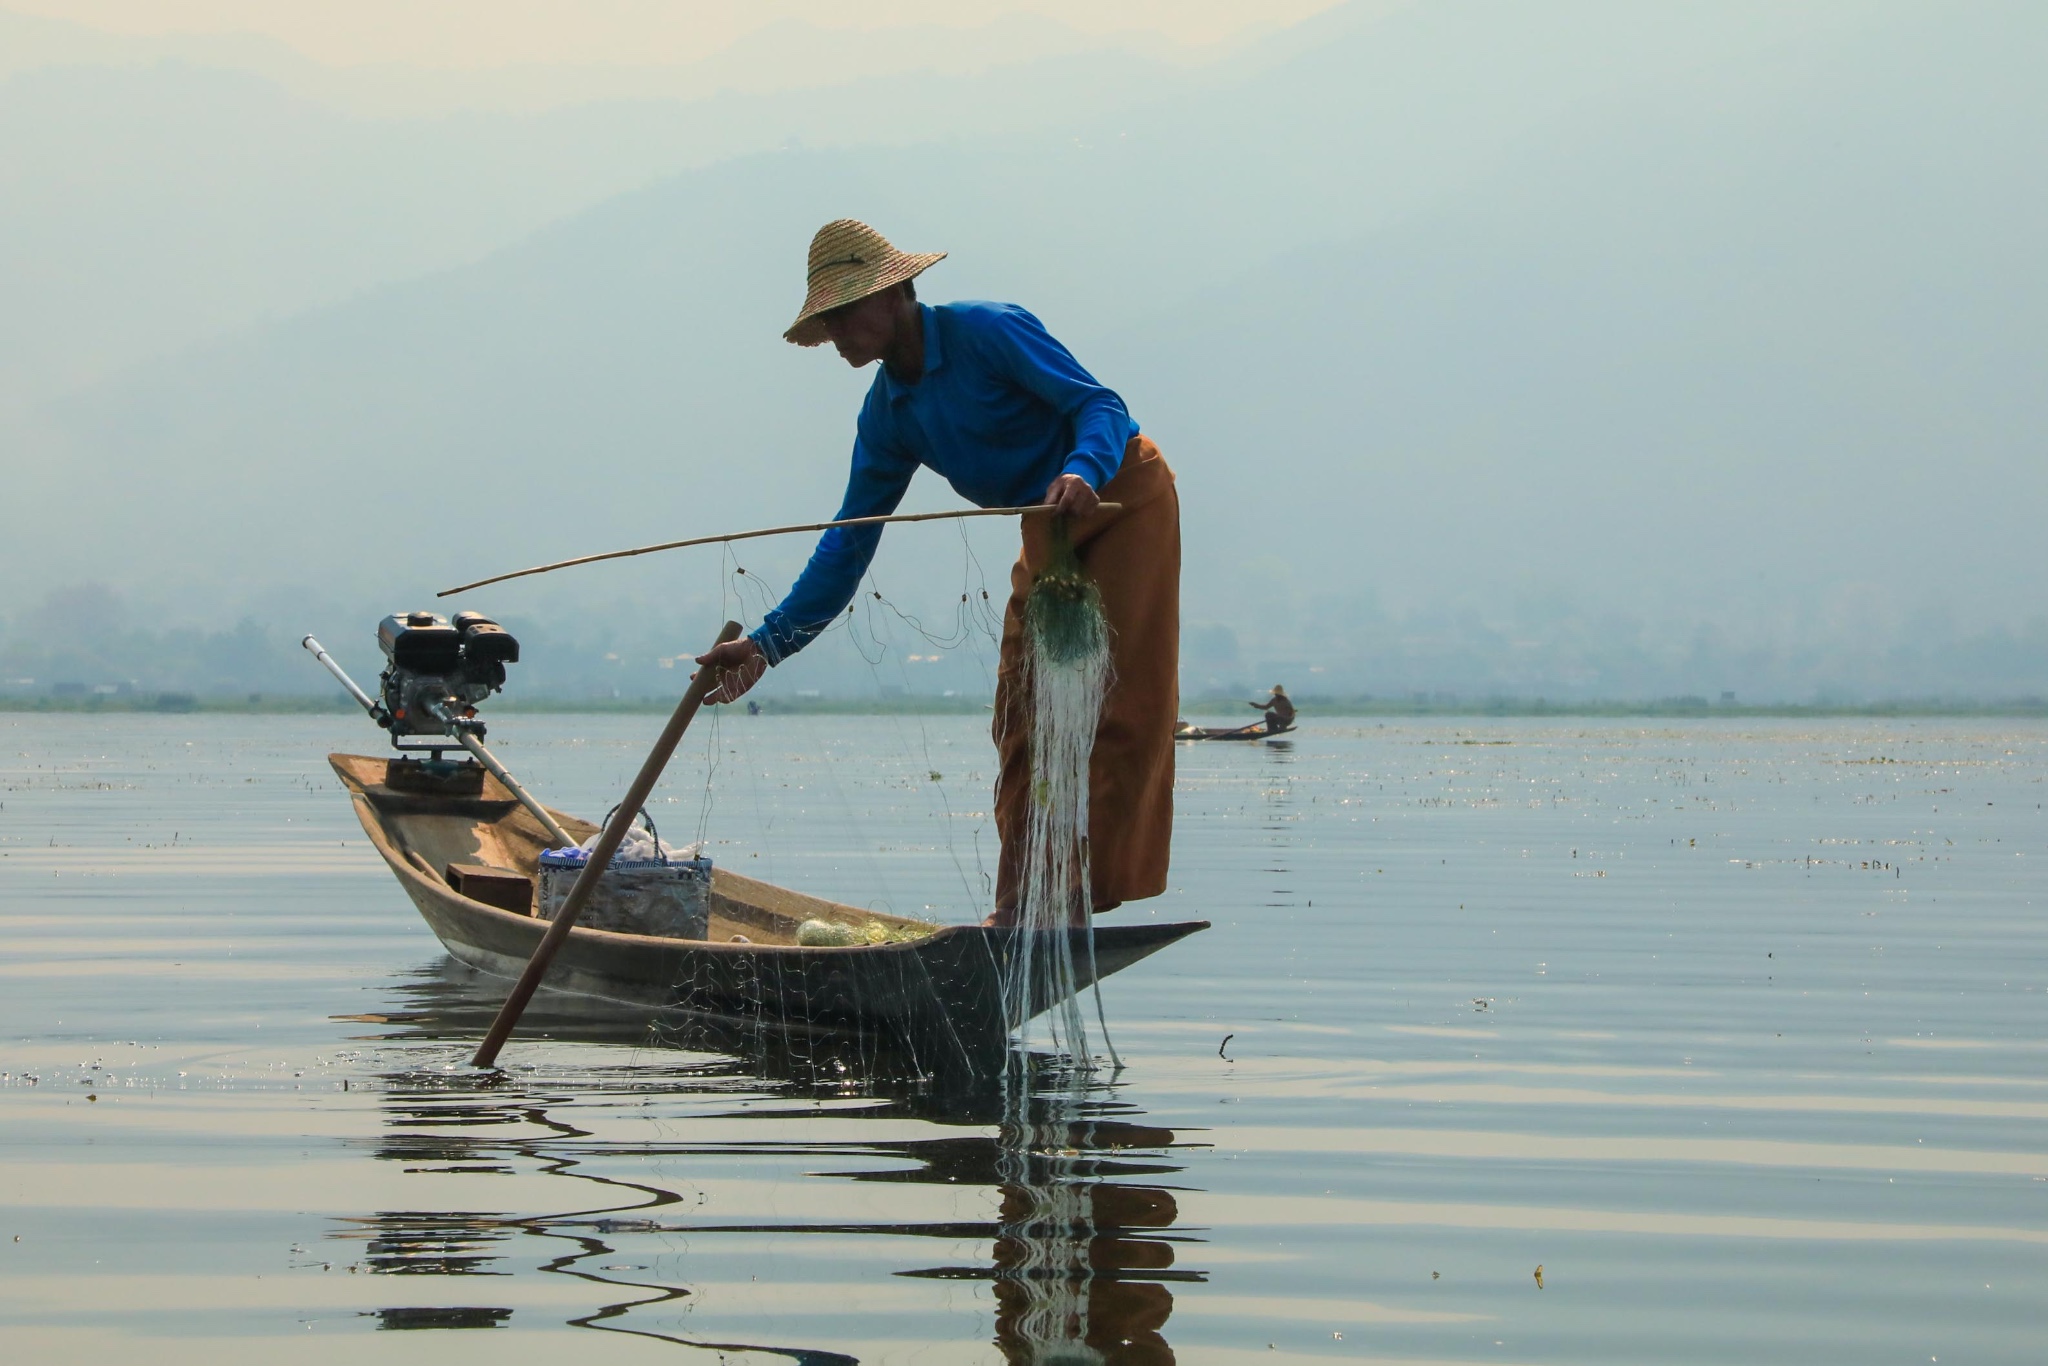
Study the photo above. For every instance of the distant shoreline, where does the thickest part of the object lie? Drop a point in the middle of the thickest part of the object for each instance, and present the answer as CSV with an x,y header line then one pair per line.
x,y
1313,708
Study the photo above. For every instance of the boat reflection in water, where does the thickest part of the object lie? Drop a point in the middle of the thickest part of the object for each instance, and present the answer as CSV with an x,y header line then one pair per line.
x,y
1083,1246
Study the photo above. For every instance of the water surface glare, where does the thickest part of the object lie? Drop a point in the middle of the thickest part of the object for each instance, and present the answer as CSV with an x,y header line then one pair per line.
x,y
1736,1030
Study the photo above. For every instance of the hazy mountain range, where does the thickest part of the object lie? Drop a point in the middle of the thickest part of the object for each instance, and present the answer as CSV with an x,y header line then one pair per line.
x,y
1580,349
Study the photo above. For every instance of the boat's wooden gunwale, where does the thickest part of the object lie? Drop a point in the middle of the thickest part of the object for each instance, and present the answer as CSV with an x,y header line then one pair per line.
x,y
418,881
377,803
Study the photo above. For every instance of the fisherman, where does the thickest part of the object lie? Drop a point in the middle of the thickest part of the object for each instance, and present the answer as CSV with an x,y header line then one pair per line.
x,y
1279,709
982,394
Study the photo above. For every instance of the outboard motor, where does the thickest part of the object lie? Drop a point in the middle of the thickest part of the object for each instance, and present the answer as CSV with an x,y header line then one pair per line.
x,y
436,671
439,670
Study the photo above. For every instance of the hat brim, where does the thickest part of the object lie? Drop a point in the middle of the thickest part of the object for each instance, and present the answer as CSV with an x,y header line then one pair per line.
x,y
851,288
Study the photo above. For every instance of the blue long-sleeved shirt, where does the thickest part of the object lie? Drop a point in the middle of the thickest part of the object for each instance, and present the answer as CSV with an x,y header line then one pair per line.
x,y
1001,410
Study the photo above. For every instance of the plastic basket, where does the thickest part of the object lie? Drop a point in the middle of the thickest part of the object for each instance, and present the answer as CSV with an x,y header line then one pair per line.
x,y
662,896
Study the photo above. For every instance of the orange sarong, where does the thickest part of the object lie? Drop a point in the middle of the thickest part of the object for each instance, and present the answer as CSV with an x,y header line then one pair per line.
x,y
1133,555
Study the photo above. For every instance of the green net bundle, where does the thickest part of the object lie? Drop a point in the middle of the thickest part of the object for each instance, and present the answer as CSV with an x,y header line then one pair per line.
x,y
1064,610
832,934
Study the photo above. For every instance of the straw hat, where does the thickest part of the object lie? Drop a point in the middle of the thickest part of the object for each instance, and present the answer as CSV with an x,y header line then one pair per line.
x,y
849,261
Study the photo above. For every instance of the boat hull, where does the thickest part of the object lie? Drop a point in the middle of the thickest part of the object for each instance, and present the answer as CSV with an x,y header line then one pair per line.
x,y
1255,731
941,993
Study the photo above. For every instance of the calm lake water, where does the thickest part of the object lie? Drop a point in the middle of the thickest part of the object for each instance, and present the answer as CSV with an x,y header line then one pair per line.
x,y
1737,1031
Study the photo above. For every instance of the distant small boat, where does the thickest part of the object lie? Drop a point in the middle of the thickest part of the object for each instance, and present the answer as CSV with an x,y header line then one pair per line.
x,y
1255,731
938,994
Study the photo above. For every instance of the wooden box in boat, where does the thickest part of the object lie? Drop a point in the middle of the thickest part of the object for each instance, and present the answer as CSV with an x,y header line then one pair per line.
x,y
939,992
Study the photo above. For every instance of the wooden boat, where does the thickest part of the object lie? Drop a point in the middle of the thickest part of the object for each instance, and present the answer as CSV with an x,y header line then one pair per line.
x,y
1255,731
451,843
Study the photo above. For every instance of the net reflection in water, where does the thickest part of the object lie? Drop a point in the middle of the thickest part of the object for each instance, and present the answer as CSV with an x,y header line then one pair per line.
x,y
1063,1246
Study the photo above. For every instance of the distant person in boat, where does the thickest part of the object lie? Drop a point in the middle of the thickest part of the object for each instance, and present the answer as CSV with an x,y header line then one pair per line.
x,y
982,394
1279,710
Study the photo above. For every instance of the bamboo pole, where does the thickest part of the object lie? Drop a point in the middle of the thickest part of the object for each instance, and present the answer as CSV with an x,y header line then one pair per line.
x,y
600,858
954,515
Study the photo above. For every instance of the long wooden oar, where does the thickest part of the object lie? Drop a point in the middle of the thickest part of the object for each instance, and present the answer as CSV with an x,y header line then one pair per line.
x,y
954,515
600,858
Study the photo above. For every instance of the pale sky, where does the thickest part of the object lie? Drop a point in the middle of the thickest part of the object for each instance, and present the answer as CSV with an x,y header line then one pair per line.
x,y
482,33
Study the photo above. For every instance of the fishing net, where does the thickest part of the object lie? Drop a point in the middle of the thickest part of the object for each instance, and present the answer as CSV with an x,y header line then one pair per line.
x,y
1034,978
1066,673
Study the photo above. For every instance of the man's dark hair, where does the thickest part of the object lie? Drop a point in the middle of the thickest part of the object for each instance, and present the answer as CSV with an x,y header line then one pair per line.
x,y
910,289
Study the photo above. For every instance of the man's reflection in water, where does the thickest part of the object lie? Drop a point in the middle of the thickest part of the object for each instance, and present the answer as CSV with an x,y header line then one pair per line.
x,y
1083,1253
1067,1268
1069,1277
